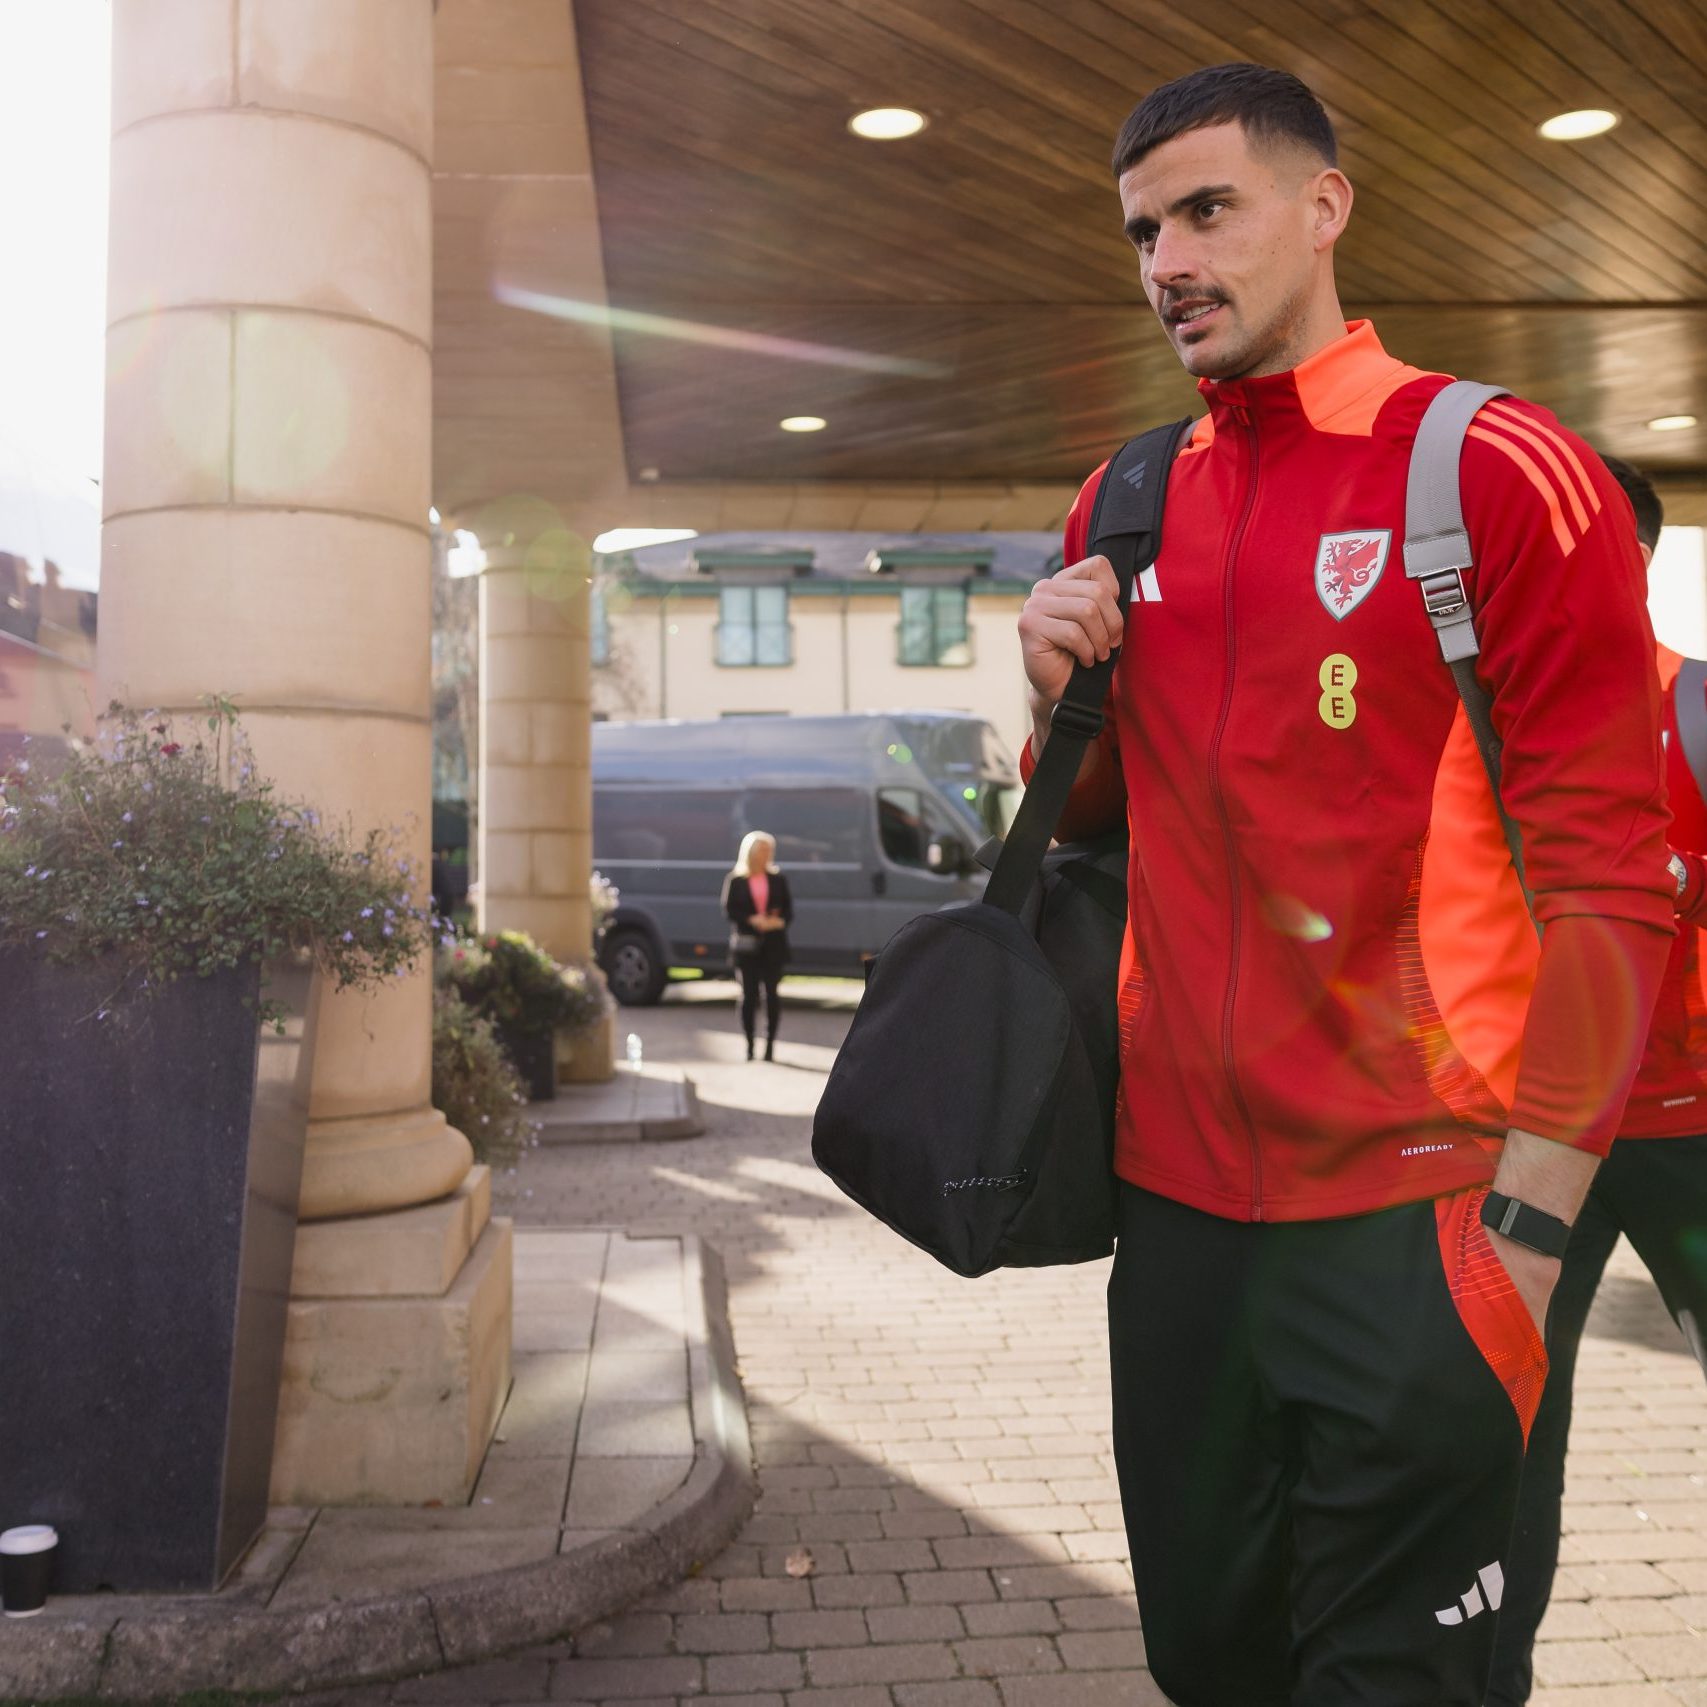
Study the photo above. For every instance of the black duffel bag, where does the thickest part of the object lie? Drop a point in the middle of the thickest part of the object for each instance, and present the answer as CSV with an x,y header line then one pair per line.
x,y
971,1107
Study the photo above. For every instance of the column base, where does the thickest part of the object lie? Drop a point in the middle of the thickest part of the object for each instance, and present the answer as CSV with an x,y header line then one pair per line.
x,y
587,1057
393,1400
365,1164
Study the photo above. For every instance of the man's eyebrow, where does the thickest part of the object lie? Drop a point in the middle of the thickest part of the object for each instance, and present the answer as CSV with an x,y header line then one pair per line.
x,y
1207,192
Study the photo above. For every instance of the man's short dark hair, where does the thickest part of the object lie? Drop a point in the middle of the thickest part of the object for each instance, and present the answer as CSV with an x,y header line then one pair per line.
x,y
1273,106
1644,500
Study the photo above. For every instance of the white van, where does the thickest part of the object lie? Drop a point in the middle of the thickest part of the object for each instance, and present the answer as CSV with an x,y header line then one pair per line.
x,y
876,816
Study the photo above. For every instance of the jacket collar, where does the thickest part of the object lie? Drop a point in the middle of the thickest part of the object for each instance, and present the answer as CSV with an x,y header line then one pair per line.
x,y
1337,385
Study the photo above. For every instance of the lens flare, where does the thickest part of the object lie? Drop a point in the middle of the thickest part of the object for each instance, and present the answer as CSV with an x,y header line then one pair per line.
x,y
713,337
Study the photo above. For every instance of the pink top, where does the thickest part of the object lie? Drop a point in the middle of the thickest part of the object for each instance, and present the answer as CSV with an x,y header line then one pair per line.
x,y
761,888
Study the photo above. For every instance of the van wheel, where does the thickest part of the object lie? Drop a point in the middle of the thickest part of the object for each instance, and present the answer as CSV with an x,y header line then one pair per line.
x,y
633,970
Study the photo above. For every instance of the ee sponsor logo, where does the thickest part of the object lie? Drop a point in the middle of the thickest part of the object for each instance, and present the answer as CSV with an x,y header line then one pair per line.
x,y
1337,676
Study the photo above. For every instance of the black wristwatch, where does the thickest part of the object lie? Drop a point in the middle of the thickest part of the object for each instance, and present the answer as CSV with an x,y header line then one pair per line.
x,y
1526,1224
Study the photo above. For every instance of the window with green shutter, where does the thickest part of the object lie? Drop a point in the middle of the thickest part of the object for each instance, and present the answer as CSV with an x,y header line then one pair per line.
x,y
753,627
934,629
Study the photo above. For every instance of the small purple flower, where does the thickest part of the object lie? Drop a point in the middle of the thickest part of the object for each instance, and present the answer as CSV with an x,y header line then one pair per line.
x,y
388,930
142,900
349,936
367,912
43,876
40,935
29,871
23,764
125,819
118,844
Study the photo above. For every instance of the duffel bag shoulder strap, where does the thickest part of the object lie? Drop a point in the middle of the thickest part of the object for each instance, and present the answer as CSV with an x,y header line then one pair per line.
x,y
1126,528
1438,552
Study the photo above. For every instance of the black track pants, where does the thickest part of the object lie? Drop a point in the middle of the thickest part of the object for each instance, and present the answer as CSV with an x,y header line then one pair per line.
x,y
1318,1428
1654,1190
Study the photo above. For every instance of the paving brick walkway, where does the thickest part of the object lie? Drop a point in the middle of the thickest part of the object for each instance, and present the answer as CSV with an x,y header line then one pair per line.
x,y
938,1524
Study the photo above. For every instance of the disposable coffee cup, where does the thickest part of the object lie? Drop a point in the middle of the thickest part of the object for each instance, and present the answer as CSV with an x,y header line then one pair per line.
x,y
26,1563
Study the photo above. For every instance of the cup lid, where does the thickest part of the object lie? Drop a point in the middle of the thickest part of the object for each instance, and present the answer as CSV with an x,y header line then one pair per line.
x,y
31,1538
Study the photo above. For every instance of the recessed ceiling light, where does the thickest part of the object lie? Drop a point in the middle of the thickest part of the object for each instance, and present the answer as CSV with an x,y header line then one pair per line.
x,y
886,124
1574,127
1671,423
803,424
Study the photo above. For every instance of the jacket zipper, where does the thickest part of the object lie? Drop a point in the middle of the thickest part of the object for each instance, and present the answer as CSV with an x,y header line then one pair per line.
x,y
1248,421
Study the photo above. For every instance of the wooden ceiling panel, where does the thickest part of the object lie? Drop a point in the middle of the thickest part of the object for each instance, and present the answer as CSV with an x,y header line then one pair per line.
x,y
983,262
722,122
1050,389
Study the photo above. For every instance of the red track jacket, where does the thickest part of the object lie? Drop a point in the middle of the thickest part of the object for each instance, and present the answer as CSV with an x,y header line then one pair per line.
x,y
1326,1006
1669,1098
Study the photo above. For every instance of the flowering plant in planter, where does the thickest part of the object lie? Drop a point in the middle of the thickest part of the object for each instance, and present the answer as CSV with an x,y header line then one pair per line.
x,y
474,1085
511,979
163,847
154,880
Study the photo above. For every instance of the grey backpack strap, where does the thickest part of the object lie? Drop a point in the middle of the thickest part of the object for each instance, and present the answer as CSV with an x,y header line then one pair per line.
x,y
1689,697
1437,544
1437,552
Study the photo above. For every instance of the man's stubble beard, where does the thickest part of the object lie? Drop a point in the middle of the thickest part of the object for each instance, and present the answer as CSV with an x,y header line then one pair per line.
x,y
1268,349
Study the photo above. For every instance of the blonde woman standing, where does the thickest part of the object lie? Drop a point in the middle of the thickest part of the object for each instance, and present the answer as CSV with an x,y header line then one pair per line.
x,y
759,907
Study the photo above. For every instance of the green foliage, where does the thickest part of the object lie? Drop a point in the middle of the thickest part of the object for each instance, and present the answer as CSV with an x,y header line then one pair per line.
x,y
165,847
510,979
474,1085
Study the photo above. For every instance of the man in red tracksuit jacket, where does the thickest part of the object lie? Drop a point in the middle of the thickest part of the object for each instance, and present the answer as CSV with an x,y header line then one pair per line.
x,y
1337,1027
1652,1188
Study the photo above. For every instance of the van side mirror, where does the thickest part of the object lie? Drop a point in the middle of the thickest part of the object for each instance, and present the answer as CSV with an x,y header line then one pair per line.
x,y
947,856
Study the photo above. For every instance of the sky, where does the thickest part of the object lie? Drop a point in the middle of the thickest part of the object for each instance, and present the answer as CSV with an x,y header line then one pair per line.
x,y
54,74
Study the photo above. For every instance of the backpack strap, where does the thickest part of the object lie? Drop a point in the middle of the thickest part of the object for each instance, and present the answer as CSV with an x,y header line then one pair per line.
x,y
1689,699
1437,552
1126,528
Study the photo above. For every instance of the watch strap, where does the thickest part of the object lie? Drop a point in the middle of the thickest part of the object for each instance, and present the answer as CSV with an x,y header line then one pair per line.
x,y
1526,1224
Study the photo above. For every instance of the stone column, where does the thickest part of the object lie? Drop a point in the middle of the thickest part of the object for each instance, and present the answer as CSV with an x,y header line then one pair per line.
x,y
530,451
534,838
268,459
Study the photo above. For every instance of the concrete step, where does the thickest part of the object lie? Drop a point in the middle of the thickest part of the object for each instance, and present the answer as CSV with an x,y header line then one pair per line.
x,y
644,1102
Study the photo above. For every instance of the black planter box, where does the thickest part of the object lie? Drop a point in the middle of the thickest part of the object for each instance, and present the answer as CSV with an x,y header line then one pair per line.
x,y
150,1165
533,1055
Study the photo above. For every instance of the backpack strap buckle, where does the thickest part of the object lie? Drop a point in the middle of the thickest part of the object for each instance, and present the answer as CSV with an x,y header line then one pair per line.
x,y
1084,722
1448,606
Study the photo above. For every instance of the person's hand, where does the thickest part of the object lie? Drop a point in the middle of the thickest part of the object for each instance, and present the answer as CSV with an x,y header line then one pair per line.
x,y
1533,1273
1071,618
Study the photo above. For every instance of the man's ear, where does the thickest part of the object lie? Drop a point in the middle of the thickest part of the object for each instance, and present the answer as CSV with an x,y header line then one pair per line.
x,y
1331,197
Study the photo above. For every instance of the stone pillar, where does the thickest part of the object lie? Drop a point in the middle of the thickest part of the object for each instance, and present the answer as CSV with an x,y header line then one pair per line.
x,y
534,839
268,458
530,453
535,832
